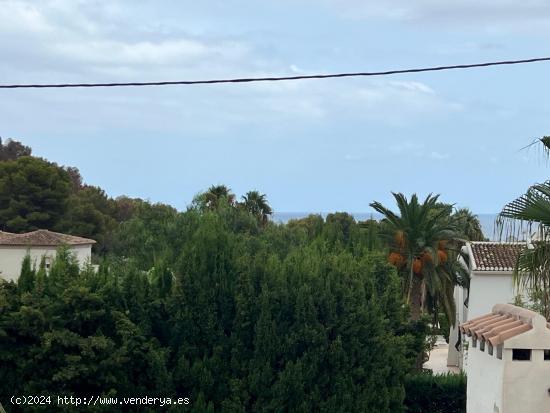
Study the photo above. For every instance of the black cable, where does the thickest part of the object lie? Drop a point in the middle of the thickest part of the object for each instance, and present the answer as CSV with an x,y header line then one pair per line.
x,y
272,79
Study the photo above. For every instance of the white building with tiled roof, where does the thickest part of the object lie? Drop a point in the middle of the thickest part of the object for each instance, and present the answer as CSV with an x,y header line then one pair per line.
x,y
491,268
38,244
508,361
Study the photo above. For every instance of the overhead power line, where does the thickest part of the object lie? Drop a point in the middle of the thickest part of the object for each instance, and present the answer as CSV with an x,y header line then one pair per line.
x,y
272,79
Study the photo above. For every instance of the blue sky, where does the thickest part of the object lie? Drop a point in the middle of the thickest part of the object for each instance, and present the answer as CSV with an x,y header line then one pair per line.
x,y
310,145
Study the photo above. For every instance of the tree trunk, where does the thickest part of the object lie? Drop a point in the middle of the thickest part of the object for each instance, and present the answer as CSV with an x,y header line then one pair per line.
x,y
416,313
416,298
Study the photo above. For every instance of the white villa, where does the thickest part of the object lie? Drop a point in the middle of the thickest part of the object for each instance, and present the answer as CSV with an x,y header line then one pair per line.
x,y
491,266
38,244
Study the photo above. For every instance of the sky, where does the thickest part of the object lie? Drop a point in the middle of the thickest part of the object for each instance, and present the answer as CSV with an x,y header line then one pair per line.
x,y
311,145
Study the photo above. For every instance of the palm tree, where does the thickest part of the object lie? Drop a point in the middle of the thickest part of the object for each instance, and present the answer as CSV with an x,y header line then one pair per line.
x,y
468,224
532,270
215,196
257,205
422,240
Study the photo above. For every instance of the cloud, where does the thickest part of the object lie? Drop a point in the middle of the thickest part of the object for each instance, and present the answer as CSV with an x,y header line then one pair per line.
x,y
395,99
19,16
490,13
405,146
71,35
354,157
386,101
412,87
400,148
438,155
295,69
147,52
77,40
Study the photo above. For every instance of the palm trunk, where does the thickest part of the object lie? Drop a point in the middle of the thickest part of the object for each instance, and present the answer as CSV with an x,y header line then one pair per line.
x,y
411,278
414,292
416,314
415,301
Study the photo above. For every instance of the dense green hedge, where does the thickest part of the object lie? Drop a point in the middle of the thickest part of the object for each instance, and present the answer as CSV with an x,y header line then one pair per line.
x,y
435,394
235,318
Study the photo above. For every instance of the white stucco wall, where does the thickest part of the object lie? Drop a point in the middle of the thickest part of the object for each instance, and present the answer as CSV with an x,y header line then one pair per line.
x,y
511,386
11,257
488,288
526,383
485,381
454,358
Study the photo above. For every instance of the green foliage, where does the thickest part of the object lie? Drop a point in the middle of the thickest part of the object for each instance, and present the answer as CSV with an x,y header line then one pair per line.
x,y
256,204
371,234
76,337
36,194
27,276
90,213
151,234
532,268
33,194
12,150
468,225
435,394
416,233
208,306
217,303
444,328
215,197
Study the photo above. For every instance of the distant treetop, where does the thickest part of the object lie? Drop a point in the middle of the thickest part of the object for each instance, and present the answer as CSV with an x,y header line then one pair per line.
x,y
12,150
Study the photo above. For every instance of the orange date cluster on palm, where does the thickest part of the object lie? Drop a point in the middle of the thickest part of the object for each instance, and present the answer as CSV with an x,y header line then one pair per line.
x,y
399,260
417,265
396,259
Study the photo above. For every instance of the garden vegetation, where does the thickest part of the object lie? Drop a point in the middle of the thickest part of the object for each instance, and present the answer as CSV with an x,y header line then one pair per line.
x,y
218,303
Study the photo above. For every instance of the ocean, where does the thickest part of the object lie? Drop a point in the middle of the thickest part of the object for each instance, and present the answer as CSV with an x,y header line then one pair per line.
x,y
487,220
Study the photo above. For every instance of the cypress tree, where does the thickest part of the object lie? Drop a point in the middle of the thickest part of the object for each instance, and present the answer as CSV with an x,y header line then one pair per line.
x,y
26,280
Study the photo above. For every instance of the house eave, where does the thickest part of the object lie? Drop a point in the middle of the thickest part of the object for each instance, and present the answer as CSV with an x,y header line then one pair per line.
x,y
492,272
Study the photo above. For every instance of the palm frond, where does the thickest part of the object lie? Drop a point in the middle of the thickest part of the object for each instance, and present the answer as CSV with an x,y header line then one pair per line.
x,y
531,209
532,273
387,213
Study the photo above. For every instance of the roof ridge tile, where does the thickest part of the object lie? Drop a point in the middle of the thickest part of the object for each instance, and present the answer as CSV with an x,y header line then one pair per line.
x,y
42,237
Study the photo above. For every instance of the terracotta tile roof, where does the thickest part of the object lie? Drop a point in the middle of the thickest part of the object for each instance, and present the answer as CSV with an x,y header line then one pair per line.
x,y
495,256
43,238
504,322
